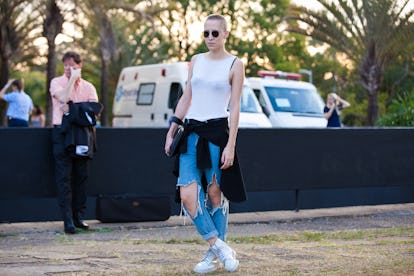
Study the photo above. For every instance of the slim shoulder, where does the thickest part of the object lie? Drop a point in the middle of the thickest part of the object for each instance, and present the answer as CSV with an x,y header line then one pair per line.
x,y
58,80
196,56
88,84
237,64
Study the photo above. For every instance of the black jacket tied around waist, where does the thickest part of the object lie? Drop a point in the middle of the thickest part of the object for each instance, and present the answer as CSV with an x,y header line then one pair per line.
x,y
215,131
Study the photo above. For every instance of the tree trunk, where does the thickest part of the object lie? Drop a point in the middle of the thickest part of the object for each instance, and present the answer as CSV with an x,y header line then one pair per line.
x,y
372,107
371,74
4,77
4,71
107,51
104,91
50,74
52,26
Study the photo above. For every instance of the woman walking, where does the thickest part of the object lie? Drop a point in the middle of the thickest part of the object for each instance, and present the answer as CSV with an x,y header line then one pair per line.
x,y
208,171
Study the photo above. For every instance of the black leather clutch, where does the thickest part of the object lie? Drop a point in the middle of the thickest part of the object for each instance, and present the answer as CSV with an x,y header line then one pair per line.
x,y
178,137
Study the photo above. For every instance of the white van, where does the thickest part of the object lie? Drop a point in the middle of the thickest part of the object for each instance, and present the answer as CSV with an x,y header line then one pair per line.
x,y
146,96
287,101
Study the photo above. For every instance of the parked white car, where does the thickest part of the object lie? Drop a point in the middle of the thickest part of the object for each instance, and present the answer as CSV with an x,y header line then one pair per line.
x,y
287,101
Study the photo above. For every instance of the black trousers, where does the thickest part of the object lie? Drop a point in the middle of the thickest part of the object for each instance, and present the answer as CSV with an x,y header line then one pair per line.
x,y
14,122
70,177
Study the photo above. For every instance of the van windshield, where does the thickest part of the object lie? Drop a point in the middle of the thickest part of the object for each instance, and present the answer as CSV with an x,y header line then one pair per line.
x,y
249,102
297,100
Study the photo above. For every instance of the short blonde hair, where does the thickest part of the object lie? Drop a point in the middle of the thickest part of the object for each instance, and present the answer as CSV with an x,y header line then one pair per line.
x,y
333,96
223,21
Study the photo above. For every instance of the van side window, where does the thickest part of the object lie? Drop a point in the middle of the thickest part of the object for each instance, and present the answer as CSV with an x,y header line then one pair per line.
x,y
145,94
176,91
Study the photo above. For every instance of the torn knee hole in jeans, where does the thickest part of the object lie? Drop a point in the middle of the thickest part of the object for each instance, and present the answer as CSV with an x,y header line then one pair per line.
x,y
198,207
223,204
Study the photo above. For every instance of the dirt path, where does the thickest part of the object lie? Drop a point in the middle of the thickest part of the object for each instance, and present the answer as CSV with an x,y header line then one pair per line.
x,y
371,240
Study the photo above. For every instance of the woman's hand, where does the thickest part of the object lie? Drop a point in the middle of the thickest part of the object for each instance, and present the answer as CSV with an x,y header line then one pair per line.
x,y
168,140
227,157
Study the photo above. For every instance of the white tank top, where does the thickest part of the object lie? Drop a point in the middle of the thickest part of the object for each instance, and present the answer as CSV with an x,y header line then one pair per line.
x,y
210,88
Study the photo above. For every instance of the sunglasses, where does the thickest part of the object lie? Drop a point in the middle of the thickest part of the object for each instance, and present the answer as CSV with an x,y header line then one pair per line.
x,y
213,33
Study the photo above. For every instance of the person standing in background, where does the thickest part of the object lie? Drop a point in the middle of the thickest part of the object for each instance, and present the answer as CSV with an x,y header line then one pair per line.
x,y
37,119
70,172
331,111
20,104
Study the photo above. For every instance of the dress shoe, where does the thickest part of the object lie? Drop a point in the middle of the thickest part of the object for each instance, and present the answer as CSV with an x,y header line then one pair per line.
x,y
69,227
81,224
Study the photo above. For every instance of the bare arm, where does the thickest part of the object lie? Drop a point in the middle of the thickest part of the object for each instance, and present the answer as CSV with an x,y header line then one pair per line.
x,y
345,104
4,89
181,109
236,79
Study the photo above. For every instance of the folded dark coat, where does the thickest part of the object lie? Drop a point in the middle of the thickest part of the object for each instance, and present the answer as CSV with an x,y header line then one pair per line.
x,y
78,127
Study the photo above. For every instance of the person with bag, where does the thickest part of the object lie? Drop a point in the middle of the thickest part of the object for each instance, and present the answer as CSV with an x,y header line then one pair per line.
x,y
71,172
207,167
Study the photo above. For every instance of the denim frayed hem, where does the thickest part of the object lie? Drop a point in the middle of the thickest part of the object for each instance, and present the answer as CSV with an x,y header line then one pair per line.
x,y
188,183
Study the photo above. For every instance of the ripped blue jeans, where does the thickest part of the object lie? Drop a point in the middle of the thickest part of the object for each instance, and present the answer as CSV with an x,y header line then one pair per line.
x,y
210,222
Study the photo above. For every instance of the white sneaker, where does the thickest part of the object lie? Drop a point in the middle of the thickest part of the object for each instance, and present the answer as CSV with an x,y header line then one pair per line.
x,y
226,255
207,264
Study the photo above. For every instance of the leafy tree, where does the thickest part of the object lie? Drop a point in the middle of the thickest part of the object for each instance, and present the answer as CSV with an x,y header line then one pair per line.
x,y
370,33
399,76
17,33
18,29
253,35
35,86
401,112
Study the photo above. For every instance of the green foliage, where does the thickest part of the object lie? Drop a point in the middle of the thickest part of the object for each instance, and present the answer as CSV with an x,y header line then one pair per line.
x,y
253,30
400,112
355,115
35,86
20,26
372,34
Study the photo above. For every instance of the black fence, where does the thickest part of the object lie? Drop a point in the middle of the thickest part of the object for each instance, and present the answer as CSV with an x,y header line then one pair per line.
x,y
284,169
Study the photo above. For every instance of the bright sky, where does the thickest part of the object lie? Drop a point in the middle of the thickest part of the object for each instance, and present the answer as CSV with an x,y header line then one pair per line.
x,y
313,4
310,4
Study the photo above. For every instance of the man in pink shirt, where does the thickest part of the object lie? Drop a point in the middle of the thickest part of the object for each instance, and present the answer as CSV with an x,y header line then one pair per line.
x,y
70,173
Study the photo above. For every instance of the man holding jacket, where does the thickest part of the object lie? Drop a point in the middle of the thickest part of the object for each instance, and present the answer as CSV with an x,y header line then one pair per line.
x,y
70,172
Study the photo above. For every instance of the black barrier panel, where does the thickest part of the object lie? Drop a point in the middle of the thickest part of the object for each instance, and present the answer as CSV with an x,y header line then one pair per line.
x,y
26,163
341,197
133,160
283,169
285,159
